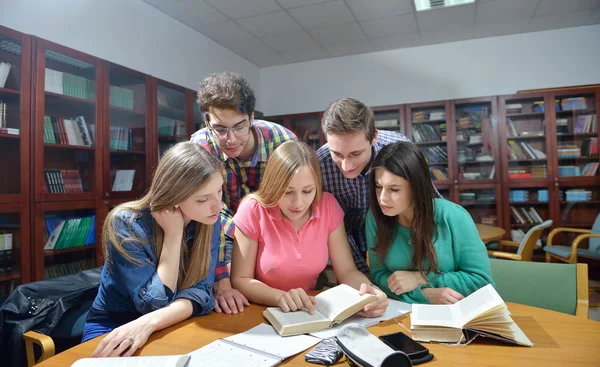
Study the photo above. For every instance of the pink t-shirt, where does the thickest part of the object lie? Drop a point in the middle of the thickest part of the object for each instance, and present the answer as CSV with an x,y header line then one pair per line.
x,y
288,259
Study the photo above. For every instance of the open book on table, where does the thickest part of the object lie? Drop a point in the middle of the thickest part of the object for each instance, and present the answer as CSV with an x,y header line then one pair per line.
x,y
333,306
481,313
260,346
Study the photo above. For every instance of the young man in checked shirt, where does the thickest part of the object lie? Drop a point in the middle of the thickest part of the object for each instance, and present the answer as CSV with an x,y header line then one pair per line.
x,y
352,143
243,145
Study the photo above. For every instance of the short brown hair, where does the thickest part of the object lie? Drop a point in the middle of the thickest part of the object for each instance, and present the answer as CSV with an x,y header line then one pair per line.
x,y
348,116
226,90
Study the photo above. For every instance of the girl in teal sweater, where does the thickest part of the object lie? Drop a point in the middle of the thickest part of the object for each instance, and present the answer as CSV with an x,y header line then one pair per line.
x,y
422,249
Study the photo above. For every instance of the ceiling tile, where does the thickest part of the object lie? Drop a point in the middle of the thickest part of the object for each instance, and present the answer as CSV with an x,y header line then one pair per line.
x,y
225,33
429,38
257,52
501,29
352,48
288,4
190,12
244,8
373,9
340,33
548,7
305,55
390,43
268,24
446,18
298,40
321,15
389,27
556,21
503,11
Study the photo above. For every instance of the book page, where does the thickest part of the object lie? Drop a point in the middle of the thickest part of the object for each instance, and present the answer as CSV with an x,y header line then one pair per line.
x,y
221,354
154,361
336,300
477,303
395,309
264,338
435,315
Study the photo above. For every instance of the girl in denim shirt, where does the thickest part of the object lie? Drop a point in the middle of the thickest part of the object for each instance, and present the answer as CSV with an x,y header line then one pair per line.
x,y
161,253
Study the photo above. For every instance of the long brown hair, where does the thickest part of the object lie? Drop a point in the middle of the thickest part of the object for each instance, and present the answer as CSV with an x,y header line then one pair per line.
x,y
404,159
181,172
281,168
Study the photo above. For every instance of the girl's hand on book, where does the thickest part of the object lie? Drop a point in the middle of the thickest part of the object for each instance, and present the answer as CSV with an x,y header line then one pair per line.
x,y
442,296
377,307
296,299
404,281
170,220
125,340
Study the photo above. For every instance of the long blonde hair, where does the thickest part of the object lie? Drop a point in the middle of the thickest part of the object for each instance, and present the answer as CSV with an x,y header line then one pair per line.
x,y
281,168
181,172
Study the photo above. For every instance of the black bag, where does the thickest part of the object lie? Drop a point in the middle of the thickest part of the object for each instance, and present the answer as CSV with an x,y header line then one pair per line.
x,y
49,307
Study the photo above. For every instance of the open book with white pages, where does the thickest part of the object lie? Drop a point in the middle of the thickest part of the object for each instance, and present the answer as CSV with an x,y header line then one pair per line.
x,y
481,313
260,346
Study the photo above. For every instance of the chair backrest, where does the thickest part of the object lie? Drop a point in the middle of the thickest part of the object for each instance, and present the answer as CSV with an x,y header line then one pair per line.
x,y
544,285
530,239
595,242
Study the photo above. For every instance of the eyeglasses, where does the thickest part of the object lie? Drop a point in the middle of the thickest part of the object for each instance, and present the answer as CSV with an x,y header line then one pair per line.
x,y
238,131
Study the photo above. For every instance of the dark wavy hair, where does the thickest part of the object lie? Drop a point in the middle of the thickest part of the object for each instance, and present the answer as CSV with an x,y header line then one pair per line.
x,y
404,159
226,90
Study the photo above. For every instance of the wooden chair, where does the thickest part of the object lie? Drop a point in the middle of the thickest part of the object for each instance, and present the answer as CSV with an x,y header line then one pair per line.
x,y
524,250
569,254
558,287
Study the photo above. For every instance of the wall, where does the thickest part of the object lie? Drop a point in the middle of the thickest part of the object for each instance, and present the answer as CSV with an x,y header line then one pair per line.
x,y
131,33
474,68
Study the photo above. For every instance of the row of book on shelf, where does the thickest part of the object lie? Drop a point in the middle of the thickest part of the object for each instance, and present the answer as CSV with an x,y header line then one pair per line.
x,y
427,133
589,169
575,195
438,173
121,97
173,99
69,131
435,154
535,171
73,267
4,121
69,85
523,150
478,173
563,104
469,197
4,70
382,124
522,196
171,127
68,232
123,138
6,251
58,181
422,116
525,215
588,148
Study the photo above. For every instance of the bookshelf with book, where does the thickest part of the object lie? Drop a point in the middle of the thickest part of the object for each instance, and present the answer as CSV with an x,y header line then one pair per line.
x,y
306,126
198,119
389,118
172,116
127,98
14,247
67,117
66,237
576,127
428,125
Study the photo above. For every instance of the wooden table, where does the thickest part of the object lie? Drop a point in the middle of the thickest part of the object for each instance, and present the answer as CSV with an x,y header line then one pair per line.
x,y
489,233
560,340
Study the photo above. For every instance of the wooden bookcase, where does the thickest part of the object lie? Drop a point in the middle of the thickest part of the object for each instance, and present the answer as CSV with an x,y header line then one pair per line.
x,y
15,102
306,126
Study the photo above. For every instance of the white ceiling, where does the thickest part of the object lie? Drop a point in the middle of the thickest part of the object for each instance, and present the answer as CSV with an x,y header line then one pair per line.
x,y
274,32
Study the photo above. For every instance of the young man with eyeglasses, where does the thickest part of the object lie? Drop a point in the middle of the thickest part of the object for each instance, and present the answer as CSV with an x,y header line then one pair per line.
x,y
244,146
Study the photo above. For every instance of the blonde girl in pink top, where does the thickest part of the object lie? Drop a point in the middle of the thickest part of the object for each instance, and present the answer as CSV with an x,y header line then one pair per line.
x,y
286,232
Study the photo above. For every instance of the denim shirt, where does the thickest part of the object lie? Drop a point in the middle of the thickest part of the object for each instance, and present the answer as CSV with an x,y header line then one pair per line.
x,y
128,287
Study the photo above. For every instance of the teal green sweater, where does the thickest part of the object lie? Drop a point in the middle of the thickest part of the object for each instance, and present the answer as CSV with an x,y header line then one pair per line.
x,y
463,262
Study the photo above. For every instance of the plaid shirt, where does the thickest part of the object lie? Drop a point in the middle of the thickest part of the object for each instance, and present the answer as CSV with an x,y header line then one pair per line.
x,y
353,194
241,178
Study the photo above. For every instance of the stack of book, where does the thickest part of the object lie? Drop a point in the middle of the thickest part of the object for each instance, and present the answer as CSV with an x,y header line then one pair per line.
x,y
422,116
542,196
489,219
518,196
569,151
577,195
386,123
514,108
562,126
539,171
569,171
576,103
466,198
